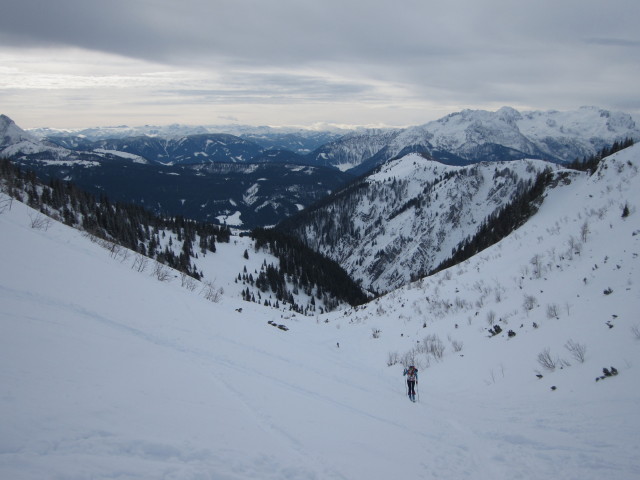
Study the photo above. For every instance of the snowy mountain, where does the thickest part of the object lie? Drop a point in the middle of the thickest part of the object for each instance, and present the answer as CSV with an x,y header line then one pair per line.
x,y
14,141
170,145
472,136
552,135
461,138
113,373
402,221
298,140
351,150
186,150
212,179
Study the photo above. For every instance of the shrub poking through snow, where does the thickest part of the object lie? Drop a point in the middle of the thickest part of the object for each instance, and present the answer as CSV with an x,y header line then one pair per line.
x,y
546,360
577,350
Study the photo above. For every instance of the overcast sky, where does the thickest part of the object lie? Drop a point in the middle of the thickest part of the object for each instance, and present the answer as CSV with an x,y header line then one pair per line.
x,y
79,63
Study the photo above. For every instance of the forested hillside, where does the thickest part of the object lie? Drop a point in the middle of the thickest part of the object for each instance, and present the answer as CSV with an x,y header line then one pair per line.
x,y
181,244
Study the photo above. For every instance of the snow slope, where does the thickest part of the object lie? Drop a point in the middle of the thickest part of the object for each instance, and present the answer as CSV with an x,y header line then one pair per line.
x,y
108,373
406,218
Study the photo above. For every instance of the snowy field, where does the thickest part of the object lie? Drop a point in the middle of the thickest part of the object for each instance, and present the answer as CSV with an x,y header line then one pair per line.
x,y
108,373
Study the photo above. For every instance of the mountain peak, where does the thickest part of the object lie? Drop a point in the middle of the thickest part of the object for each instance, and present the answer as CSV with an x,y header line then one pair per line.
x,y
10,133
509,114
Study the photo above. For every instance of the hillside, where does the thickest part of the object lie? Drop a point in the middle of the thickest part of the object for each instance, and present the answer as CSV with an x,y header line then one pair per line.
x,y
403,220
112,373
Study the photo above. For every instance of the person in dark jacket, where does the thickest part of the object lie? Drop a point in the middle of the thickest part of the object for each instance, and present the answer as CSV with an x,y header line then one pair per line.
x,y
412,379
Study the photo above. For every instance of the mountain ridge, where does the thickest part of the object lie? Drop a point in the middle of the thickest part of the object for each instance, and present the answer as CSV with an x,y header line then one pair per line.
x,y
467,136
400,222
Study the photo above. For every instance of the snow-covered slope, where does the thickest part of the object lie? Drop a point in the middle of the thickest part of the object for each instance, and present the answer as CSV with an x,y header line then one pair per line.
x,y
404,220
353,148
108,373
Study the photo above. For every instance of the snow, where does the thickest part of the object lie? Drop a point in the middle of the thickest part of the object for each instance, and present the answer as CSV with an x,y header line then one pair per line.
x,y
232,220
107,372
251,194
128,156
392,243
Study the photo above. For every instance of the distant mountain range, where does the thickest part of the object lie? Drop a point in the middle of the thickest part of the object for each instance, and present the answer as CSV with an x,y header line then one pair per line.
x,y
461,138
206,177
185,170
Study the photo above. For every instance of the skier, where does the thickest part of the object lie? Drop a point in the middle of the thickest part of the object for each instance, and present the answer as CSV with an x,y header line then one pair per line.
x,y
412,380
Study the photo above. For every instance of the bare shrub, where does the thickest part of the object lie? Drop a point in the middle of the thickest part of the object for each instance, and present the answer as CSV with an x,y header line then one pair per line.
x,y
114,249
187,282
575,247
546,361
5,203
567,307
392,359
40,222
375,332
124,254
161,272
140,263
457,345
530,302
434,346
211,292
636,331
536,262
491,317
552,311
577,350
492,375
584,231
408,359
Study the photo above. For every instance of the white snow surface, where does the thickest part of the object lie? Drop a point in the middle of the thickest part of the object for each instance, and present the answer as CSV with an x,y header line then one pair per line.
x,y
128,156
109,373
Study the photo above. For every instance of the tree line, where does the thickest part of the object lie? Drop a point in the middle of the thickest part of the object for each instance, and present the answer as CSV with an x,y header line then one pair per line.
x,y
501,223
126,224
176,241
590,164
310,270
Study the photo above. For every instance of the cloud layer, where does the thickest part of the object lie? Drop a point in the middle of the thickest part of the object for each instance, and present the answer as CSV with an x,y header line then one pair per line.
x,y
75,63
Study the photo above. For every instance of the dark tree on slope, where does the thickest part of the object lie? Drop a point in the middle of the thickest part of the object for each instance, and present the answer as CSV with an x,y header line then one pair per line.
x,y
591,163
310,268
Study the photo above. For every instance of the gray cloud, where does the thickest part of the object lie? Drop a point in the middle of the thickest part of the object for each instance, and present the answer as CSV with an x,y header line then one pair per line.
x,y
543,54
